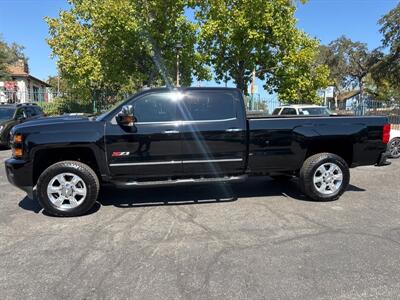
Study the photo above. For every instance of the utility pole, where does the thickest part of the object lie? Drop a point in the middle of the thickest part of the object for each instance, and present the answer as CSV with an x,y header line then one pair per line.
x,y
252,88
178,48
253,83
58,85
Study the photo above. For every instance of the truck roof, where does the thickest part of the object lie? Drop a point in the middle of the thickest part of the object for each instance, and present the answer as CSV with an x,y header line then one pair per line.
x,y
188,88
301,105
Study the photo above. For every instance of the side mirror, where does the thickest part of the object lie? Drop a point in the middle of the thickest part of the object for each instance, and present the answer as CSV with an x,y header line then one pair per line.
x,y
126,117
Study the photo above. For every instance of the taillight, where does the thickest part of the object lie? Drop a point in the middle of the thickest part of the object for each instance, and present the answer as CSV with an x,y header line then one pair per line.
x,y
386,134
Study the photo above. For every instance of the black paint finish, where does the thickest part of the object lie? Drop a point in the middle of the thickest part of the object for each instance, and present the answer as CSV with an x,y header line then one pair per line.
x,y
185,147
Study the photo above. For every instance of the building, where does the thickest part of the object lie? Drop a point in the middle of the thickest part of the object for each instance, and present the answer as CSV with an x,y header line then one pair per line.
x,y
22,87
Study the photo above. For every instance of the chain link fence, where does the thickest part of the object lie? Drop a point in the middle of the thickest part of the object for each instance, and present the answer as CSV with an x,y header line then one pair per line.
x,y
370,107
25,96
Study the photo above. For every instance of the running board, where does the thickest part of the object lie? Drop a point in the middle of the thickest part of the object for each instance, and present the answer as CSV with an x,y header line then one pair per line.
x,y
171,182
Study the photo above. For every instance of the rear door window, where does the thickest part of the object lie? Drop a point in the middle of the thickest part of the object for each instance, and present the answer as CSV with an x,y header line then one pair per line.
x,y
288,111
208,105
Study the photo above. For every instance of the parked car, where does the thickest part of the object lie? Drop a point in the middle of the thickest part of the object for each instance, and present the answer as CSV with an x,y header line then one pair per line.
x,y
394,144
13,114
179,136
302,110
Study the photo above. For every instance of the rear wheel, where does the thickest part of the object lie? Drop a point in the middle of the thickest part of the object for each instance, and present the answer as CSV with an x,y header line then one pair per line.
x,y
68,188
394,148
324,177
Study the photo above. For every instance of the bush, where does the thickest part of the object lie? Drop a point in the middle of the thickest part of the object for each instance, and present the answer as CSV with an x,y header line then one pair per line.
x,y
60,106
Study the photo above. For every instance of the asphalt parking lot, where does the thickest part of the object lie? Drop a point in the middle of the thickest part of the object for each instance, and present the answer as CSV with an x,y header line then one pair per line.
x,y
258,239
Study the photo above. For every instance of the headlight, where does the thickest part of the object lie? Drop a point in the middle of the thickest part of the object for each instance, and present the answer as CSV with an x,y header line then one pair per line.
x,y
1,127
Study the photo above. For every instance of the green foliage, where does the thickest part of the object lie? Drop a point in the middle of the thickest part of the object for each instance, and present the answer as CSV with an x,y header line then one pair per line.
x,y
391,39
61,106
9,54
386,73
122,45
349,63
300,76
119,46
237,37
382,89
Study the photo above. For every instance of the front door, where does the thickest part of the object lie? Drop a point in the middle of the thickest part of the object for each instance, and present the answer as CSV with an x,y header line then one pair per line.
x,y
150,148
213,132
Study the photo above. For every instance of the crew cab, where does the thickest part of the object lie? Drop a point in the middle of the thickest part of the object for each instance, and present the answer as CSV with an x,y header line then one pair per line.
x,y
178,136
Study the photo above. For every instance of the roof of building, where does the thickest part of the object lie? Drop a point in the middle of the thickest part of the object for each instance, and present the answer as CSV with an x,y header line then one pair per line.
x,y
21,69
347,95
31,78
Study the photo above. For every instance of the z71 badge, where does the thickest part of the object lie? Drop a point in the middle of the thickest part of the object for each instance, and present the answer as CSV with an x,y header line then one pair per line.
x,y
118,154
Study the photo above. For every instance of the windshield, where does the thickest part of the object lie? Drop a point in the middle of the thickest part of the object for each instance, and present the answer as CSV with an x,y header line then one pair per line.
x,y
314,111
6,113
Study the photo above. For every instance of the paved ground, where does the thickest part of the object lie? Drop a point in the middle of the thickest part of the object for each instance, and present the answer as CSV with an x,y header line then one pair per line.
x,y
257,240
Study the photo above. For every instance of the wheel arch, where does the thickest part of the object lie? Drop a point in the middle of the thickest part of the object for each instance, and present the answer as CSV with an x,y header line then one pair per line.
x,y
46,157
342,148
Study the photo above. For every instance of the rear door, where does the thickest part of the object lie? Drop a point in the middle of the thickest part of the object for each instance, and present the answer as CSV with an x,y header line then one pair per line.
x,y
213,132
152,147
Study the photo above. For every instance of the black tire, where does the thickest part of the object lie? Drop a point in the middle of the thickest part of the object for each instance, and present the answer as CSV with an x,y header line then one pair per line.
x,y
309,169
84,172
394,147
281,178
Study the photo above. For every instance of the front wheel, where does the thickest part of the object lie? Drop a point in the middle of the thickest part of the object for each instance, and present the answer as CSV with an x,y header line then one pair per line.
x,y
394,148
68,189
324,177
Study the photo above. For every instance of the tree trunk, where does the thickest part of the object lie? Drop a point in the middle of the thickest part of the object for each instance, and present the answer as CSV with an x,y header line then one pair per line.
x,y
240,80
361,81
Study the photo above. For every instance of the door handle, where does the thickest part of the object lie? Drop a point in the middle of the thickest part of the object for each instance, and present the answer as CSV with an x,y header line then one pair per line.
x,y
171,131
233,130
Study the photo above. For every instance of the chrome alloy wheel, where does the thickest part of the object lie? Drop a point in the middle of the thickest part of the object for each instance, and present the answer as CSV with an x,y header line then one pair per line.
x,y
394,148
328,178
66,191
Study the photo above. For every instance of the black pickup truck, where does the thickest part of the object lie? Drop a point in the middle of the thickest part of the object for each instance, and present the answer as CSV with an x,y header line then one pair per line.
x,y
184,136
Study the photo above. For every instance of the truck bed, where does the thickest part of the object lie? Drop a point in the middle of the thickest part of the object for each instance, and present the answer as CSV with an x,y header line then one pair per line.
x,y
282,143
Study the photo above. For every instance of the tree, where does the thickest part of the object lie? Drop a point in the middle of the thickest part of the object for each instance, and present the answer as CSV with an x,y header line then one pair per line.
x,y
298,78
237,37
349,63
390,66
382,89
122,45
8,55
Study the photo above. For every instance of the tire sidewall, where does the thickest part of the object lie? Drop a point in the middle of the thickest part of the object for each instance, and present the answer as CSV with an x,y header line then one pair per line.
x,y
67,167
308,179
390,146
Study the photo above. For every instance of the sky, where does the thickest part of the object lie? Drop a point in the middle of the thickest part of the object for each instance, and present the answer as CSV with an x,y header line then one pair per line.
x,y
22,21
